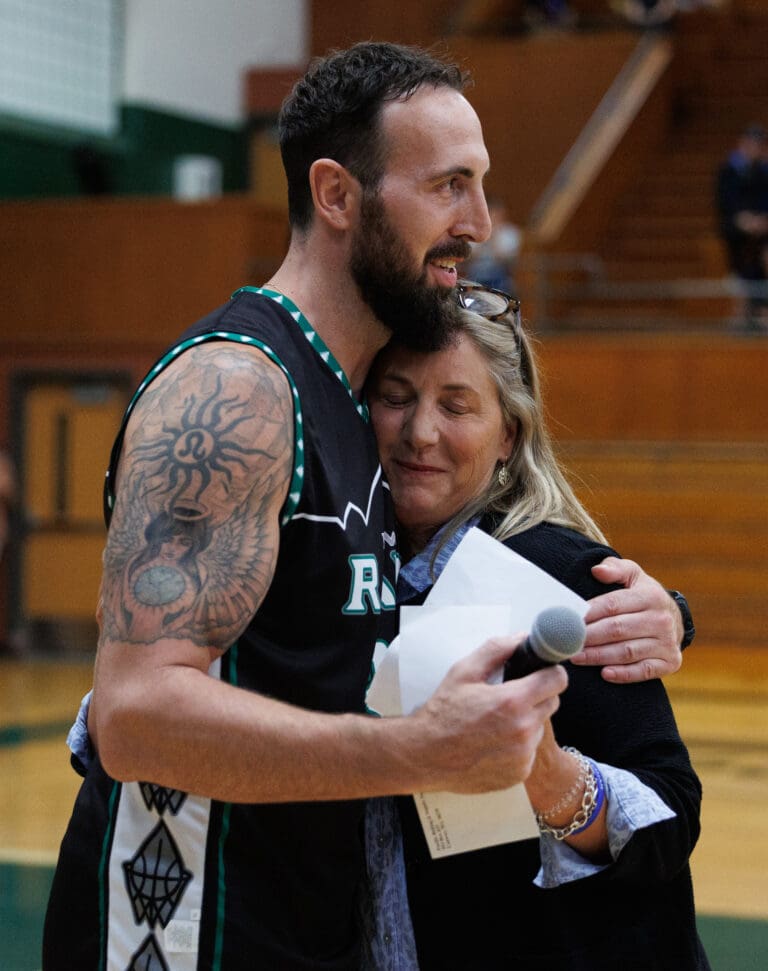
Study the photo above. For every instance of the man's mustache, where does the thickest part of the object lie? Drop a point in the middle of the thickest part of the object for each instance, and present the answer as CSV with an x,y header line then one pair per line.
x,y
458,249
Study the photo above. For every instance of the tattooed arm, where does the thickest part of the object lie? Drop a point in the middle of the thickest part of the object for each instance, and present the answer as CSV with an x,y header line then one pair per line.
x,y
205,467
204,471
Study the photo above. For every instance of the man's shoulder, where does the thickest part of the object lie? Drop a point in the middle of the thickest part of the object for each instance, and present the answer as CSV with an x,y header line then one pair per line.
x,y
249,331
245,313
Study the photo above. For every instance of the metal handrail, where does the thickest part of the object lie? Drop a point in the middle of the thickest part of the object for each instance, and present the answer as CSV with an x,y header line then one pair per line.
x,y
551,279
600,136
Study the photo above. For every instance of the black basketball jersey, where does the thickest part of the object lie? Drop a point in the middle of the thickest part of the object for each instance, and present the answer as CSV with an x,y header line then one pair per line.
x,y
151,878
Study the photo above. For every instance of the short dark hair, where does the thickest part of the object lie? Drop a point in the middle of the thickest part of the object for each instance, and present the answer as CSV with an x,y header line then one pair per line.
x,y
333,112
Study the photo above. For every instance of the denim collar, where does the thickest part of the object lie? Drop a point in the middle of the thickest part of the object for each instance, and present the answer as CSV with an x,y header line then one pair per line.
x,y
419,574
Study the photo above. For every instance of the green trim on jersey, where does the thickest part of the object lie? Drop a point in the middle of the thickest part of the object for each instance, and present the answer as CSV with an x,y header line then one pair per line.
x,y
103,878
315,340
297,479
218,947
228,675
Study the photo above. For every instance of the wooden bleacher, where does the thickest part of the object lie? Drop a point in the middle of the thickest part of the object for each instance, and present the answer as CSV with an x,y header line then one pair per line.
x,y
695,516
666,436
664,227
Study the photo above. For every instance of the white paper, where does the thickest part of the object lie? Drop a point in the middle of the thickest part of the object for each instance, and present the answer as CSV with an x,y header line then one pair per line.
x,y
434,638
456,823
483,571
485,590
383,696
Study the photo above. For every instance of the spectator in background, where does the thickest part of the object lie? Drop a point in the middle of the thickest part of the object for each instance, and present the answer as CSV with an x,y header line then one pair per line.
x,y
742,204
493,262
540,14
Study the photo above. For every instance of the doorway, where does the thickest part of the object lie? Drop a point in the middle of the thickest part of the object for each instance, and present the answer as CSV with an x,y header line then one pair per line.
x,y
63,429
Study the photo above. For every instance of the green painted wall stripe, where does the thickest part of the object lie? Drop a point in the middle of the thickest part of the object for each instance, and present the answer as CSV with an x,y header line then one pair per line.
x,y
39,160
12,735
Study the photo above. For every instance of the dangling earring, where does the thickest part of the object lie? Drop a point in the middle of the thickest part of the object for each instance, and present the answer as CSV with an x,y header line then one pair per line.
x,y
503,475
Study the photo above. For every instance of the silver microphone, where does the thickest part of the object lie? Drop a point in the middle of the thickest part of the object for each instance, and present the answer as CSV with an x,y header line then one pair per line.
x,y
556,635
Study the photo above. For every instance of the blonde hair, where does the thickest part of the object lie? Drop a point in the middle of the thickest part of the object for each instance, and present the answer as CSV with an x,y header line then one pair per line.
x,y
536,489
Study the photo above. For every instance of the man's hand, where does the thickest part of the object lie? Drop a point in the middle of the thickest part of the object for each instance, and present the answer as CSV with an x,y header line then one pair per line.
x,y
635,633
477,737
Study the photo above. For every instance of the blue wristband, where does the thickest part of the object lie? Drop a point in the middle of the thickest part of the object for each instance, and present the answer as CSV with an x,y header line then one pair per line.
x,y
599,799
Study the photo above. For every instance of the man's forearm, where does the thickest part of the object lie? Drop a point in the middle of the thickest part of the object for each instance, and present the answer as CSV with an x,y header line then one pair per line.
x,y
185,730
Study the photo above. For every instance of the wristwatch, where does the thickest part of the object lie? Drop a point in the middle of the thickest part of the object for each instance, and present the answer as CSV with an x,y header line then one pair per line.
x,y
689,631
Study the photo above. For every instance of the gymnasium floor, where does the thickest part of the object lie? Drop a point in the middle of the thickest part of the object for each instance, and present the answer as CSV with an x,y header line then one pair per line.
x,y
722,707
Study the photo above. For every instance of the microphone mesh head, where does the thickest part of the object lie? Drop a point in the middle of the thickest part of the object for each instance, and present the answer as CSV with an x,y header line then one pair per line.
x,y
558,633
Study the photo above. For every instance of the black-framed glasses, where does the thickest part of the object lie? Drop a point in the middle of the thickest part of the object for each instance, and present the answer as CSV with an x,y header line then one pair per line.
x,y
487,302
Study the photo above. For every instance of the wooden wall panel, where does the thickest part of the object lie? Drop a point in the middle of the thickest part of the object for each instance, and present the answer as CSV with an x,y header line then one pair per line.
x,y
61,575
128,270
111,283
345,22
663,387
106,284
533,97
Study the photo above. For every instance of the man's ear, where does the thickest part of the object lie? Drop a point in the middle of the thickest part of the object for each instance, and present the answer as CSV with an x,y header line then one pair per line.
x,y
335,193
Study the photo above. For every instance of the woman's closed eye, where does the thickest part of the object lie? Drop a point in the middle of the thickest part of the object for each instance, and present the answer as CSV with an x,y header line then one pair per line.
x,y
456,407
395,399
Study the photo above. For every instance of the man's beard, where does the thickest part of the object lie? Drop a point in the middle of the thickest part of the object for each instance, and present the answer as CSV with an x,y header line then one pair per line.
x,y
420,317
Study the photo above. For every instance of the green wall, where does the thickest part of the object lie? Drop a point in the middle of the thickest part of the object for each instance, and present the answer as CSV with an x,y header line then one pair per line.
x,y
38,161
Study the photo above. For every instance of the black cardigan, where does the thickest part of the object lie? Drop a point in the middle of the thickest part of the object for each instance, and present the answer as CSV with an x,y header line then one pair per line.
x,y
481,911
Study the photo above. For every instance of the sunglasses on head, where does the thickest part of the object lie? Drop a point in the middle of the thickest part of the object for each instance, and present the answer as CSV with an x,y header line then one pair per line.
x,y
487,302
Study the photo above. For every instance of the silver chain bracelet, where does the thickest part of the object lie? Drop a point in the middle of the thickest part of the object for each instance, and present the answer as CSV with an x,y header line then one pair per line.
x,y
575,789
588,801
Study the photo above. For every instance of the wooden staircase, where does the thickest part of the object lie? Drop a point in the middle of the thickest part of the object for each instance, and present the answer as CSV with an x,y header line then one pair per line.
x,y
665,228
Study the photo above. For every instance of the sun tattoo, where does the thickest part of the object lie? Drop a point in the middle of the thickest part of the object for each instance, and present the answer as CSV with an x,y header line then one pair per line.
x,y
186,455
